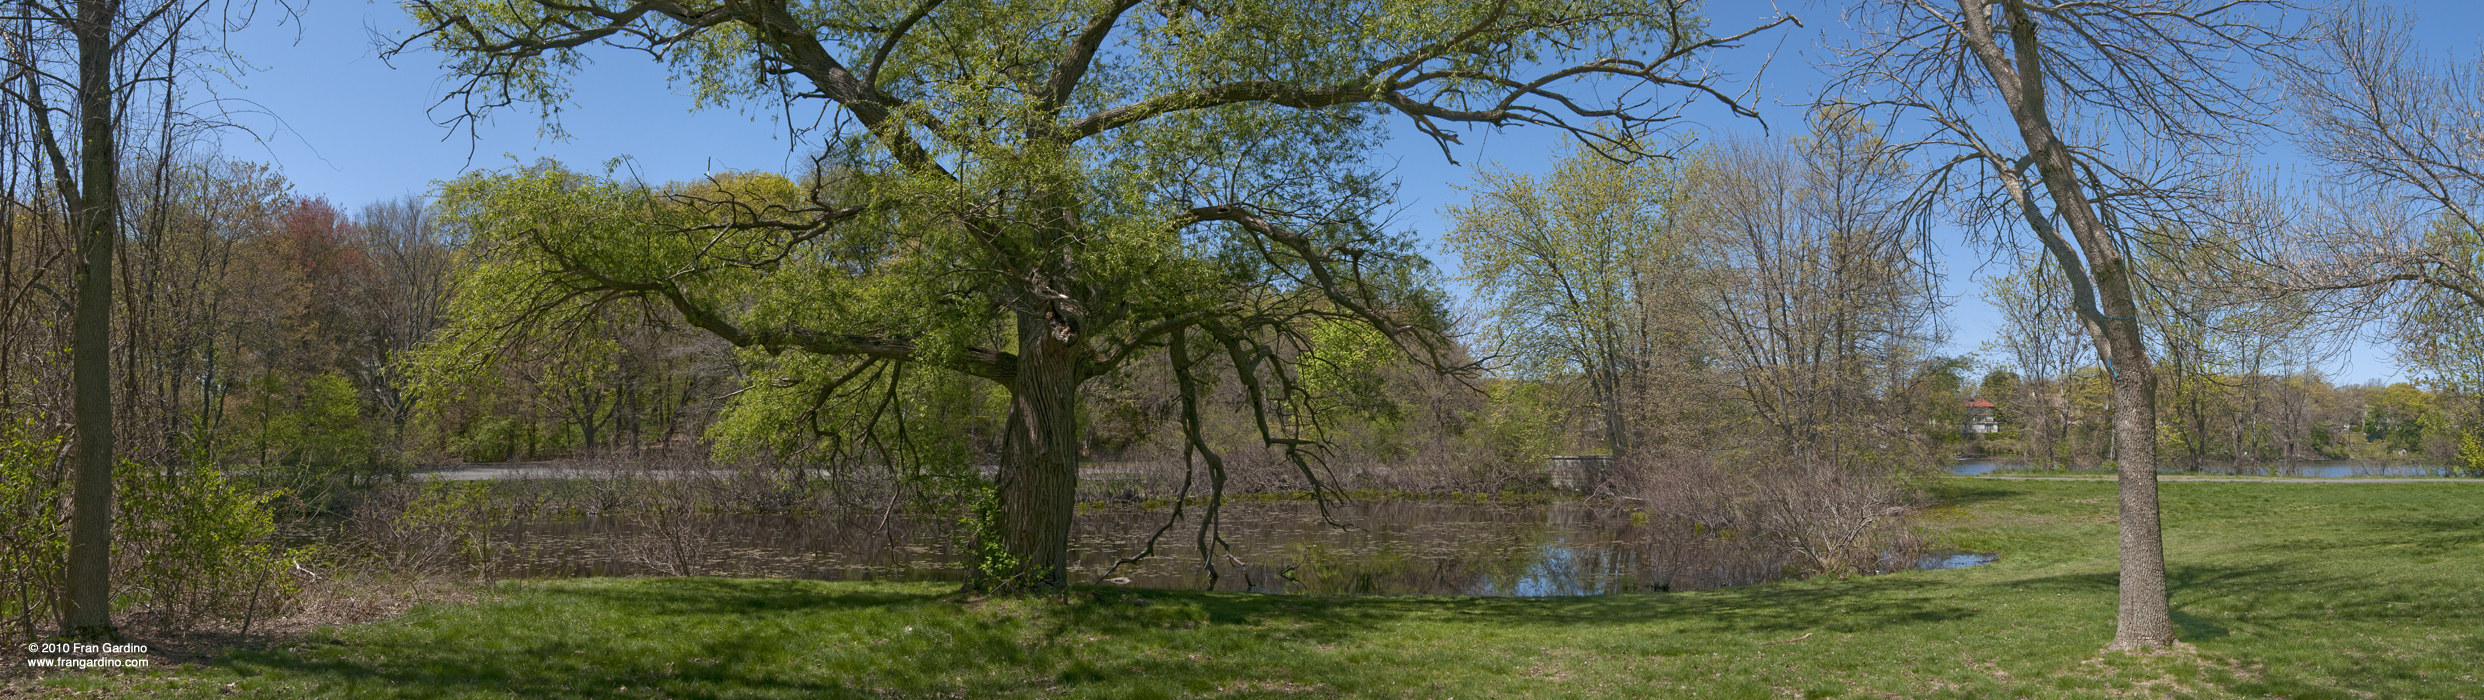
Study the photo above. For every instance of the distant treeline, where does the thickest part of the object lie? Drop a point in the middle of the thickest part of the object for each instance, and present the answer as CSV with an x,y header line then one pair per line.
x,y
2221,419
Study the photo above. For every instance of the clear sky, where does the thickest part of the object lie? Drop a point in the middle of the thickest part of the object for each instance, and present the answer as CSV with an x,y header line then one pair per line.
x,y
340,123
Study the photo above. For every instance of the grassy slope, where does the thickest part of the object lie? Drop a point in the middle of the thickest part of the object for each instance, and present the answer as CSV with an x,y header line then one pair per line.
x,y
2373,590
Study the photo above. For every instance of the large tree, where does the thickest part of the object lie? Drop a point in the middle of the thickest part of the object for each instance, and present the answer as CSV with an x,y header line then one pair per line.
x,y
1037,194
76,71
1826,304
1582,274
2087,124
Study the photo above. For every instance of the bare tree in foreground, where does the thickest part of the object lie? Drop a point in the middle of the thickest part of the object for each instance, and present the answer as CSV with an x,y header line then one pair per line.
x,y
81,73
2084,90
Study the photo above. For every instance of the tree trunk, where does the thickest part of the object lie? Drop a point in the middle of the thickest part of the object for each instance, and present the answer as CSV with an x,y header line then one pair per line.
x,y
87,604
1039,462
1616,412
2145,620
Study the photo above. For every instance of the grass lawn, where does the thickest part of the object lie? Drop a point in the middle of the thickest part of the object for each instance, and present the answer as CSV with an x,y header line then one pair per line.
x,y
2179,476
2285,590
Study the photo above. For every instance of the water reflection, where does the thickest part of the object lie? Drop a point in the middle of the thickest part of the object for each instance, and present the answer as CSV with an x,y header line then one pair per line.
x,y
2324,470
1371,548
1954,559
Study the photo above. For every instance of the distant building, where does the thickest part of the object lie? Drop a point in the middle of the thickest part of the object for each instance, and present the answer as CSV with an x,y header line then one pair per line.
x,y
1982,418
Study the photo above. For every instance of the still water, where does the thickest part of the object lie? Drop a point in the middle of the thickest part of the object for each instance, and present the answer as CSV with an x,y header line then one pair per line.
x,y
2326,470
1369,548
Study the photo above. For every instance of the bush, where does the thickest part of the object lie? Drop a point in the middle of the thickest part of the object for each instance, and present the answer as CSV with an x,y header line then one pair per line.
x,y
190,547
310,442
2470,456
193,546
435,526
34,533
492,440
1822,518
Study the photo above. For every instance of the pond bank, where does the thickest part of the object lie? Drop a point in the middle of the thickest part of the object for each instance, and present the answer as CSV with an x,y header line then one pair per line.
x,y
2279,590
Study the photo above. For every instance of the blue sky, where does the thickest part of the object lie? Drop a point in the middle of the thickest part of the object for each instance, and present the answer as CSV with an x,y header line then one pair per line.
x,y
319,103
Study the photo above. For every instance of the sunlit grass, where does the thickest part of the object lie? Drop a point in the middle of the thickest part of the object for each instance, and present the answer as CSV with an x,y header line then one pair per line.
x,y
2287,590
2101,473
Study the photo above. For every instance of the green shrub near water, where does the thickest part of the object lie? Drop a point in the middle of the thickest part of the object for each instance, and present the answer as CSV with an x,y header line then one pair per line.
x,y
495,439
308,441
33,526
193,546
435,527
190,546
2471,456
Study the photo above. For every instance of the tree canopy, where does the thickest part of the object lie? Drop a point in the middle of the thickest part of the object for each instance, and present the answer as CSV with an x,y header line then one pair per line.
x,y
1041,194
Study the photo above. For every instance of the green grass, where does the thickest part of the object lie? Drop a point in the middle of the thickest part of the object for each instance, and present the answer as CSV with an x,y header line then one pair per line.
x,y
2284,590
2180,476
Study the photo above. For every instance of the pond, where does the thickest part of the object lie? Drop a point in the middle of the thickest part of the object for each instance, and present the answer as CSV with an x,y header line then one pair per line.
x,y
1367,548
2327,469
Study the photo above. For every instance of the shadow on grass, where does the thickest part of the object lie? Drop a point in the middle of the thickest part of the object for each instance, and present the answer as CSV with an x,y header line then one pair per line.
x,y
782,638
2195,629
777,638
716,596
2440,533
687,637
2254,592
2288,617
1840,605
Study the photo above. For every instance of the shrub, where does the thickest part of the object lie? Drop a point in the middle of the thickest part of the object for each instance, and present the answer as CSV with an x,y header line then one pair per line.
x,y
310,442
2470,456
434,526
190,547
494,439
34,530
1822,518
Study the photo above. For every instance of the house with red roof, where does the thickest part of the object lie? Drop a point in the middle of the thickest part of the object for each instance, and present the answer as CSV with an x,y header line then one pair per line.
x,y
1982,418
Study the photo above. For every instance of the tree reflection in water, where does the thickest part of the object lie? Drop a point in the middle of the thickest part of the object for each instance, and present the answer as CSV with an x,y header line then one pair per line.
x,y
1373,548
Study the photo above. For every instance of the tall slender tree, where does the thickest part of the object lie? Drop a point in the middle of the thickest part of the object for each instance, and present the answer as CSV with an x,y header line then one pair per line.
x,y
99,53
2040,336
92,215
2107,117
